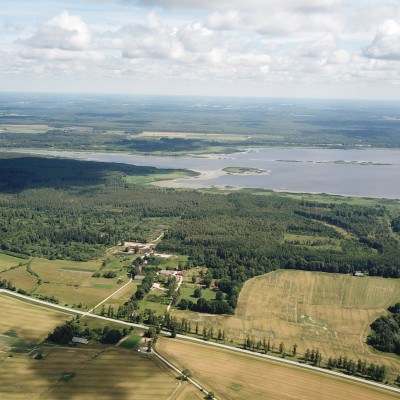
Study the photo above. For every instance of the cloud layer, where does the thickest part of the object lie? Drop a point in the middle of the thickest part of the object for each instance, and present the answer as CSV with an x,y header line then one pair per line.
x,y
225,47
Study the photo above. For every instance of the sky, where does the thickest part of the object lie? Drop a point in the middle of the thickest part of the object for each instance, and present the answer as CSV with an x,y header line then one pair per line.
x,y
260,48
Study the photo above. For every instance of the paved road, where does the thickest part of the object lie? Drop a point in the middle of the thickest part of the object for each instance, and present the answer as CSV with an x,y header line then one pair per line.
x,y
220,345
72,310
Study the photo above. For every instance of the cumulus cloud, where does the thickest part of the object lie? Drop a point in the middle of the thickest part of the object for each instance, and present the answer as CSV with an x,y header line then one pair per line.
x,y
231,41
386,44
147,42
65,32
64,37
274,22
197,38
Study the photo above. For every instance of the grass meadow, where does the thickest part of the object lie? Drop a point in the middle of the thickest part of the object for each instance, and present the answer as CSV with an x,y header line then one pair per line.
x,y
331,312
20,278
72,282
233,375
7,261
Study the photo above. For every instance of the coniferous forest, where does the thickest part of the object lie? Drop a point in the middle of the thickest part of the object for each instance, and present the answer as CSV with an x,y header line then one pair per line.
x,y
67,209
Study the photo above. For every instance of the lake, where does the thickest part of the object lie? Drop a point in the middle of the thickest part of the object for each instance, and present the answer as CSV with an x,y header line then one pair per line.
x,y
365,173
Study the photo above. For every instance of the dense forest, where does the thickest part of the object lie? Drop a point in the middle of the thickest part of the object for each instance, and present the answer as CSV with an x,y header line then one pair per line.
x,y
75,210
385,335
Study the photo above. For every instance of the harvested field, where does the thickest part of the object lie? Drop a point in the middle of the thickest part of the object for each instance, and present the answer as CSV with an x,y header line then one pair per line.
x,y
331,312
232,375
29,322
79,373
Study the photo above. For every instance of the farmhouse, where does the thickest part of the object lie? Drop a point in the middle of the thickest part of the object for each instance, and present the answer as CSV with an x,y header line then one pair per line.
x,y
76,339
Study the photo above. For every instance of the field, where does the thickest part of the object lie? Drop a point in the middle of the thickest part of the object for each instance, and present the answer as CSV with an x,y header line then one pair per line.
x,y
80,373
331,312
226,137
73,372
30,323
232,375
7,262
20,278
72,282
160,175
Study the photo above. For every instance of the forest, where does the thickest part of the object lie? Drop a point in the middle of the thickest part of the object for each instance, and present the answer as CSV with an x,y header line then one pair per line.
x,y
75,210
385,335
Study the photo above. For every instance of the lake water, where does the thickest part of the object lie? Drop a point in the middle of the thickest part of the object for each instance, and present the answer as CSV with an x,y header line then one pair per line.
x,y
301,170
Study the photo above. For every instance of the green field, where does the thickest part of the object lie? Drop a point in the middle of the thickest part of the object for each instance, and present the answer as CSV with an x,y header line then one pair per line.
x,y
187,290
331,312
7,261
160,175
231,375
131,342
72,282
20,278
317,243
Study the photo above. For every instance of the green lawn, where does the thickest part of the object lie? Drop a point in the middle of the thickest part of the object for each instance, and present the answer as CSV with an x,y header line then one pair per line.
x,y
187,290
131,341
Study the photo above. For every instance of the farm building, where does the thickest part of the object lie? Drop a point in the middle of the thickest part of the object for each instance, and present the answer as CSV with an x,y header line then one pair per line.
x,y
76,339
138,277
358,273
165,272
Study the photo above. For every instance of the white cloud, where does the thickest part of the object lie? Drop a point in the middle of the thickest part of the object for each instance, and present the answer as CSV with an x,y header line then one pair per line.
x,y
64,32
147,42
386,44
61,55
236,43
195,37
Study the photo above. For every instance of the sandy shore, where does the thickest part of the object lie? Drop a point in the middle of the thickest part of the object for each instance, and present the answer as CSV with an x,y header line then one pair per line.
x,y
191,182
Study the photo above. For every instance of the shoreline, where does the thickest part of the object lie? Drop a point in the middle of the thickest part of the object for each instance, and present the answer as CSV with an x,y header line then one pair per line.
x,y
214,174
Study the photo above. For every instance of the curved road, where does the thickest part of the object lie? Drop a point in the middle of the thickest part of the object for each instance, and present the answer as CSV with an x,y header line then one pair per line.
x,y
283,360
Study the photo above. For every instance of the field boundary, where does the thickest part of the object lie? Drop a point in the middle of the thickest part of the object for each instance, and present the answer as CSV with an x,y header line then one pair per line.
x,y
180,372
220,345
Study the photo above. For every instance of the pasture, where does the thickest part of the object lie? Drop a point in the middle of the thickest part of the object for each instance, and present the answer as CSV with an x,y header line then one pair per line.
x,y
20,278
232,375
7,261
72,282
331,312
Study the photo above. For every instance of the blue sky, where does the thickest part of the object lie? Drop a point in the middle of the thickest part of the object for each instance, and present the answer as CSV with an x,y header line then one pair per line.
x,y
268,48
